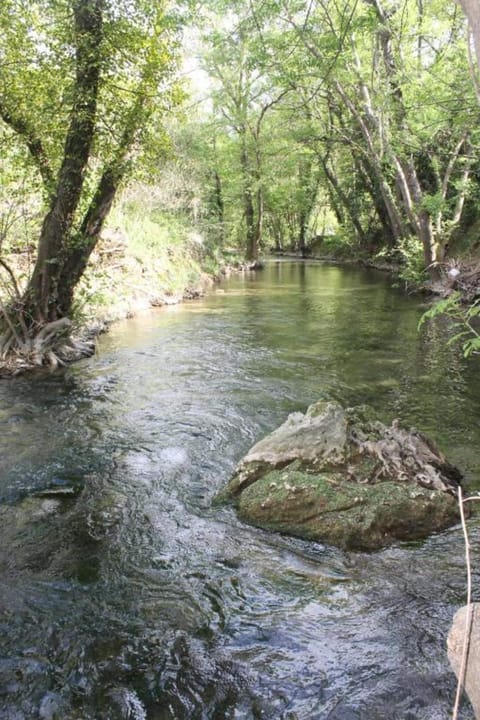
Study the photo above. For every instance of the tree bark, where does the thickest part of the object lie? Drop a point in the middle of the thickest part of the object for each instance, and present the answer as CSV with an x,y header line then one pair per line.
x,y
345,203
42,294
394,215
407,178
309,181
219,204
472,11
35,146
251,252
77,253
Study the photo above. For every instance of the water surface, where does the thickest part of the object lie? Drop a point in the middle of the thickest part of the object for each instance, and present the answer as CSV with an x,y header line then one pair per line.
x,y
134,598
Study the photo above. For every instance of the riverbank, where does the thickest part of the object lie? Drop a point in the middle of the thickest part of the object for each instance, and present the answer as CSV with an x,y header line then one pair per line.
x,y
145,260
141,261
128,273
460,275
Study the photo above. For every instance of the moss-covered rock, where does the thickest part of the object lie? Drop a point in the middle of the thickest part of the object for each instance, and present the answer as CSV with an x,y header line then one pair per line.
x,y
333,476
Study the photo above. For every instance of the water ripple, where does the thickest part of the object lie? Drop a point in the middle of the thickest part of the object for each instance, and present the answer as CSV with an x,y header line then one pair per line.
x,y
131,596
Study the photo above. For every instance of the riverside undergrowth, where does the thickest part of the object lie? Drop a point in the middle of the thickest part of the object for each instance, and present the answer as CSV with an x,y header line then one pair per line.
x,y
144,259
147,256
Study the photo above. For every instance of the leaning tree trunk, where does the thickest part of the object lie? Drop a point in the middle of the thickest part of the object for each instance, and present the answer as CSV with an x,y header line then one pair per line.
x,y
408,179
472,11
41,300
78,251
344,200
309,179
34,329
363,116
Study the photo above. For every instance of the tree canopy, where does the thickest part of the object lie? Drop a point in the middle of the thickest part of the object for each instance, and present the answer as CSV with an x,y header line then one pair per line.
x,y
363,112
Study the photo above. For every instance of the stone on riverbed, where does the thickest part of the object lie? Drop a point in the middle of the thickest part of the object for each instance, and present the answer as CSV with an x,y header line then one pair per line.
x,y
338,477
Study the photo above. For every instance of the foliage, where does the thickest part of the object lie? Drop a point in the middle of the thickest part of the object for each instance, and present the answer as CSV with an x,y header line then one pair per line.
x,y
84,88
412,272
463,321
347,106
149,255
351,126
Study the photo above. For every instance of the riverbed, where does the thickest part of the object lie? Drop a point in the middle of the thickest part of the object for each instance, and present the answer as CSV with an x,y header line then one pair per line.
x,y
125,594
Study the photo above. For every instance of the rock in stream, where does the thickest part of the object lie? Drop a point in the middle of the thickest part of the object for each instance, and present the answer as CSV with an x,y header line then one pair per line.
x,y
337,476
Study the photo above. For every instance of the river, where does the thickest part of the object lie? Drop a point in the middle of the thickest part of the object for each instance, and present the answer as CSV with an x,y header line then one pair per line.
x,y
131,597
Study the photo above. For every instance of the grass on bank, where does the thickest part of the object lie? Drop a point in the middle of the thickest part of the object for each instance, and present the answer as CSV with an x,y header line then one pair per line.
x,y
144,259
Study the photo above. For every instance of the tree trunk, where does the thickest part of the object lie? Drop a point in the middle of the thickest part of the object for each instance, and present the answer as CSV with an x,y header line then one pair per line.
x,y
406,172
335,185
42,294
251,253
260,218
302,236
77,253
309,179
375,160
219,204
472,11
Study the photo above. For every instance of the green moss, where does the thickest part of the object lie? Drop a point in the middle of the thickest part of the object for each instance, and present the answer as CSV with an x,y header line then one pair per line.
x,y
327,508
341,498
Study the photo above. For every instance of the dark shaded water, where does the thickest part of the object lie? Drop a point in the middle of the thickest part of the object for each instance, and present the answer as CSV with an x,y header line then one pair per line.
x,y
135,599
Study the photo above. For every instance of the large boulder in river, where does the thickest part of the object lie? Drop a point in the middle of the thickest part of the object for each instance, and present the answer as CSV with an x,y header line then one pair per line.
x,y
338,477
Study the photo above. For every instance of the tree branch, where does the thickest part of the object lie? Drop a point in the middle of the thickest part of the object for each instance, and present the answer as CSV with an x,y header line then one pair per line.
x,y
12,276
34,145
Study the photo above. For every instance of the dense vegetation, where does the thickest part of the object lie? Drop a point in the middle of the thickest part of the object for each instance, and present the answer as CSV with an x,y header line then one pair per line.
x,y
349,128
353,122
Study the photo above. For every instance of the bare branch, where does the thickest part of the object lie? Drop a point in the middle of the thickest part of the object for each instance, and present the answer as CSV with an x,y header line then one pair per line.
x,y
451,164
12,276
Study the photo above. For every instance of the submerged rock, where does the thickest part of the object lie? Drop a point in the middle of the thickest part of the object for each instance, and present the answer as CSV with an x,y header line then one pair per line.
x,y
339,477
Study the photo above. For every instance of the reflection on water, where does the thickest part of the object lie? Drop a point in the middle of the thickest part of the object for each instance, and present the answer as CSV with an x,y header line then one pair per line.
x,y
123,594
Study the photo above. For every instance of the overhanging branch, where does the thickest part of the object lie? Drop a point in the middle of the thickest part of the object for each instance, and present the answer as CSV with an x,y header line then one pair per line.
x,y
33,142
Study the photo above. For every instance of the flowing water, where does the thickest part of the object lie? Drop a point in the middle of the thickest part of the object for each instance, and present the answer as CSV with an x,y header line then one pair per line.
x,y
130,596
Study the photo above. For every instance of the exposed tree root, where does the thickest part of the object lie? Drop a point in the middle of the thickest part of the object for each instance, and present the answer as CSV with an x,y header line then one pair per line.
x,y
52,346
